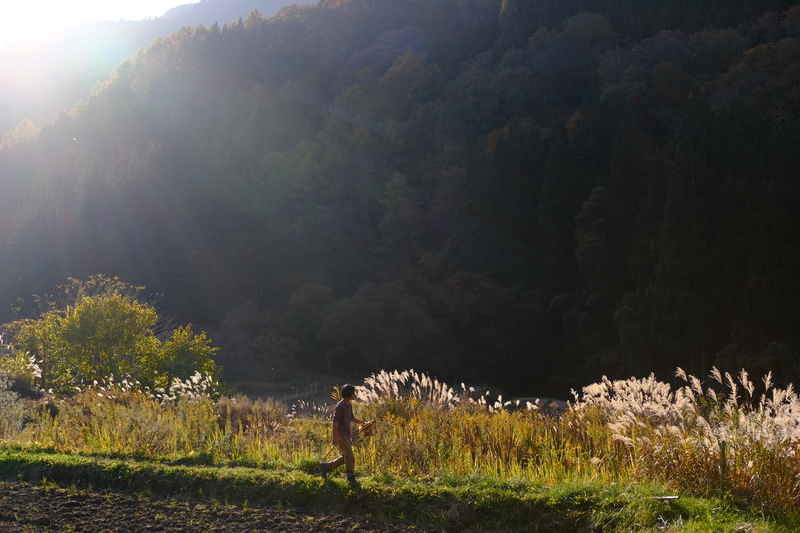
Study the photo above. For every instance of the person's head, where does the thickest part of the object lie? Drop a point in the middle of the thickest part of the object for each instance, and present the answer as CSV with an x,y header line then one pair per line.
x,y
348,391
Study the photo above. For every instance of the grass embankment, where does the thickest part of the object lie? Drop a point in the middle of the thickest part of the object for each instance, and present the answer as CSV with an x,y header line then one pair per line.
x,y
450,503
437,456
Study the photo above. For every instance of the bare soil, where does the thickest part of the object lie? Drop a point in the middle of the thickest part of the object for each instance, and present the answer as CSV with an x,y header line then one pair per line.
x,y
27,508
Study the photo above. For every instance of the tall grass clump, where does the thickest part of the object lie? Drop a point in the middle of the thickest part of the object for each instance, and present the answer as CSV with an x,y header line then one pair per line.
x,y
427,428
13,410
189,421
118,419
266,430
407,385
707,439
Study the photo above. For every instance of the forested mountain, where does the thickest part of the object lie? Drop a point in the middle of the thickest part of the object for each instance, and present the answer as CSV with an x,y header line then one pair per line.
x,y
524,193
45,74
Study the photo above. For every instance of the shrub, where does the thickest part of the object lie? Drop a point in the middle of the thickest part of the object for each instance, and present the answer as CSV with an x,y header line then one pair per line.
x,y
100,329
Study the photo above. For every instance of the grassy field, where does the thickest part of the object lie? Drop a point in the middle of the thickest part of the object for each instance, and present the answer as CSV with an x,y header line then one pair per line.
x,y
448,502
437,455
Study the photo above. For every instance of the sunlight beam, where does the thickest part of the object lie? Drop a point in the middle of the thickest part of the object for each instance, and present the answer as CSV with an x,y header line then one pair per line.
x,y
33,18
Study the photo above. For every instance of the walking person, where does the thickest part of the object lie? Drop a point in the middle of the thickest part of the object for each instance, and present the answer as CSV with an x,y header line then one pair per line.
x,y
342,418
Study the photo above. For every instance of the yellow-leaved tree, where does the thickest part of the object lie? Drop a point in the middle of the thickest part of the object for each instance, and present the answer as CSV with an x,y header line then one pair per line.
x,y
99,328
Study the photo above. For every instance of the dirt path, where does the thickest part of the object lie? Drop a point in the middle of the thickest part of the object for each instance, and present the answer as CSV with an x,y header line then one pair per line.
x,y
25,508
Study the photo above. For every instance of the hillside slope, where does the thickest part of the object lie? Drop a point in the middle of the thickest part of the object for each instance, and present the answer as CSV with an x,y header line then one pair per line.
x,y
44,76
370,184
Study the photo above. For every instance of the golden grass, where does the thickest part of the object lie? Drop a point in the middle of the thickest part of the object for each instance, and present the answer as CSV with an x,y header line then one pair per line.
x,y
636,429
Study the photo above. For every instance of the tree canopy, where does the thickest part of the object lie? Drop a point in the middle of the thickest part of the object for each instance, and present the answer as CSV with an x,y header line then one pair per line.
x,y
528,193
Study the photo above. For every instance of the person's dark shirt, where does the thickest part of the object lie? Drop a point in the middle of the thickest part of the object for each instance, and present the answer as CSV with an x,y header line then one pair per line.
x,y
342,417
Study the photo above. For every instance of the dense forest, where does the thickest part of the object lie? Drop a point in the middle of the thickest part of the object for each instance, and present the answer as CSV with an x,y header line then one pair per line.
x,y
525,193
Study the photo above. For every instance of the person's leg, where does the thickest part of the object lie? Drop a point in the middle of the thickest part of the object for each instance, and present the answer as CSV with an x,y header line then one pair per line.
x,y
349,463
347,455
336,463
344,449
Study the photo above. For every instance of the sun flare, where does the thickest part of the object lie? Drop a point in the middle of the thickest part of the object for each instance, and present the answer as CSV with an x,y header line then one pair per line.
x,y
20,20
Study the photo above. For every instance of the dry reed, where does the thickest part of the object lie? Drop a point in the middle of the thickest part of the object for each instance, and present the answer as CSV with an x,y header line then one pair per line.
x,y
636,429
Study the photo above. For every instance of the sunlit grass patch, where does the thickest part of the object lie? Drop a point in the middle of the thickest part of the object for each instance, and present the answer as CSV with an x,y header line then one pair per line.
x,y
593,461
474,502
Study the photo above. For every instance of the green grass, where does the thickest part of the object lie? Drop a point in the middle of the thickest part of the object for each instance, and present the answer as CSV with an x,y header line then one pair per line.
x,y
449,502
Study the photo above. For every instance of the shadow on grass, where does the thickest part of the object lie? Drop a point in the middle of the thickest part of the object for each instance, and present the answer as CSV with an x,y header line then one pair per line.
x,y
450,506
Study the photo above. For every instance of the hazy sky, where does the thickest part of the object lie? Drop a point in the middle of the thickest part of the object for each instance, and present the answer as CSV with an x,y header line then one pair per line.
x,y
19,18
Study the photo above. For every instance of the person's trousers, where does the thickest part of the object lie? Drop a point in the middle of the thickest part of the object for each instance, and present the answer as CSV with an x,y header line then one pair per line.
x,y
347,458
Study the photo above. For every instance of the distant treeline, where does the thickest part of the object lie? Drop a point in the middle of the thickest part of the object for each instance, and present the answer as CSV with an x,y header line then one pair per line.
x,y
528,194
640,19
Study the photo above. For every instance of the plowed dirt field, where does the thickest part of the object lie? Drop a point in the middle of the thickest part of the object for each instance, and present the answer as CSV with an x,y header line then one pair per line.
x,y
26,508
